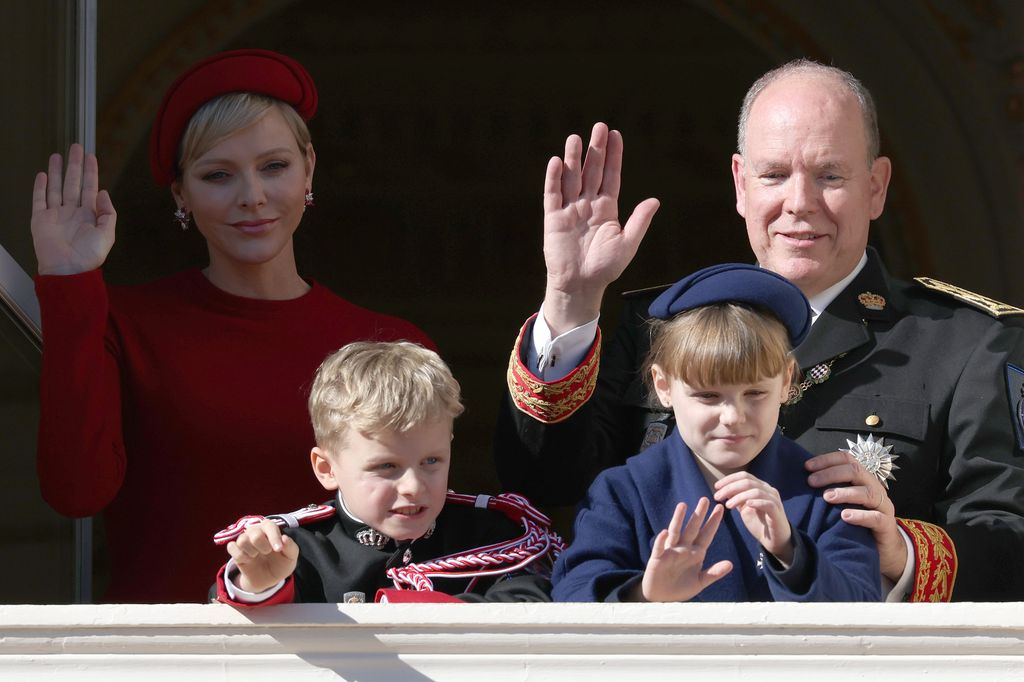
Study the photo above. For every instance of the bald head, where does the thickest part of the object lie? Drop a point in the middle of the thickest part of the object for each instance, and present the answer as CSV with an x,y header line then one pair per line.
x,y
814,73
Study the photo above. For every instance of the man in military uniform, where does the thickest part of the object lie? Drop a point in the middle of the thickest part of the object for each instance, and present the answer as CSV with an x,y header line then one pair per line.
x,y
913,391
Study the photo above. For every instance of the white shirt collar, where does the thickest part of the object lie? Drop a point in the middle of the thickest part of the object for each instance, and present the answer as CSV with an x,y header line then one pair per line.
x,y
822,300
341,505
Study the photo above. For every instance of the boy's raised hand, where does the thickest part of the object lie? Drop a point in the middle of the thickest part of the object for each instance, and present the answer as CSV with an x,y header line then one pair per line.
x,y
762,512
675,570
72,220
264,556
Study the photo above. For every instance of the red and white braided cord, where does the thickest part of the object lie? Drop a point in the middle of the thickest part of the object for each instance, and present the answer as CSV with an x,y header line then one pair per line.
x,y
237,528
496,559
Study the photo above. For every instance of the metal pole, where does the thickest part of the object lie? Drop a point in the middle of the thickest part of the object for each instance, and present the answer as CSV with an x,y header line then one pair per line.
x,y
85,61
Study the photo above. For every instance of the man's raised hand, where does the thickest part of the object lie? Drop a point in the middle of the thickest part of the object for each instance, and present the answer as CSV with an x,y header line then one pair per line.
x,y
585,246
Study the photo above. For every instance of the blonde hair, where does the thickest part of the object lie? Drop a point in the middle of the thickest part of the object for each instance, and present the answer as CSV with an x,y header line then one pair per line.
x,y
225,115
723,343
375,387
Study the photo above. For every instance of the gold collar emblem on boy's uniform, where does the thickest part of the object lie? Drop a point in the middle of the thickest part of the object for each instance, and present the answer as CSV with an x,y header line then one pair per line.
x,y
872,301
875,456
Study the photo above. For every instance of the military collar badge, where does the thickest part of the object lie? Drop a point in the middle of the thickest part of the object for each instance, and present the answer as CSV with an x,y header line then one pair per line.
x,y
875,456
871,301
371,537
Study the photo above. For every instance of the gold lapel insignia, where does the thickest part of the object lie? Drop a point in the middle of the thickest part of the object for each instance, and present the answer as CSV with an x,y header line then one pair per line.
x,y
875,456
872,301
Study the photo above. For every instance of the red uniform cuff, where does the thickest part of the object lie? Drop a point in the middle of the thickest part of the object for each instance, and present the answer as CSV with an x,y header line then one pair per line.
x,y
286,595
552,401
936,561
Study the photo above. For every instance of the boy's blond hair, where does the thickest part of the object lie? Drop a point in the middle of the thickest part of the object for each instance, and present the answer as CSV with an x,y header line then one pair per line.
x,y
223,116
375,387
723,343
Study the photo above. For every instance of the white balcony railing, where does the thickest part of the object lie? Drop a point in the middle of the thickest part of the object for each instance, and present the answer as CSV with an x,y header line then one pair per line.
x,y
495,642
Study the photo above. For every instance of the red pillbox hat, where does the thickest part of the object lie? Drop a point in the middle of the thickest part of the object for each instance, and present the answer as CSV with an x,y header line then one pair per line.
x,y
259,71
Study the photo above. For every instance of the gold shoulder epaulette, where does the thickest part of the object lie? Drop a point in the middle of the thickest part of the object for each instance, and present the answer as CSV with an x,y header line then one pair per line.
x,y
633,293
990,306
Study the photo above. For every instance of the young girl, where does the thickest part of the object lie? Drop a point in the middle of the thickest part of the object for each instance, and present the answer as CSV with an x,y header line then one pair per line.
x,y
720,359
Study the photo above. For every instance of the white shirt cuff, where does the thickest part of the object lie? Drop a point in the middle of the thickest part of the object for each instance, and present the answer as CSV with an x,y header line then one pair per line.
x,y
901,589
551,359
238,594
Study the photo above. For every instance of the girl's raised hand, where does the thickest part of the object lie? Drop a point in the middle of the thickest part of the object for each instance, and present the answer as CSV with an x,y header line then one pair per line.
x,y
761,509
675,571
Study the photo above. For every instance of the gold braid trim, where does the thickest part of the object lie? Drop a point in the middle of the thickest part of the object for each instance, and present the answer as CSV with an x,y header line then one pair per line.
x,y
550,402
936,560
991,306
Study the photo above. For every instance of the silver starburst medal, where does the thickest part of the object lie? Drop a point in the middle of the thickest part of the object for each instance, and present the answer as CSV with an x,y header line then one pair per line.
x,y
875,456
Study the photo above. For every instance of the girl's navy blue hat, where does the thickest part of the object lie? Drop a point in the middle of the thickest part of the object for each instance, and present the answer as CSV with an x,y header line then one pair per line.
x,y
738,283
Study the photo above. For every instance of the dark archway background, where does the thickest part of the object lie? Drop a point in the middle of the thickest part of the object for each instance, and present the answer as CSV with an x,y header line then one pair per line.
x,y
436,121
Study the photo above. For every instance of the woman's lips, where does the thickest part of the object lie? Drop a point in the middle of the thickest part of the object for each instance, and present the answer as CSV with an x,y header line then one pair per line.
x,y
253,226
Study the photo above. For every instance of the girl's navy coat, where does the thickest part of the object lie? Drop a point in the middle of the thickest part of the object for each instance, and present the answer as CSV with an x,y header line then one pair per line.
x,y
627,506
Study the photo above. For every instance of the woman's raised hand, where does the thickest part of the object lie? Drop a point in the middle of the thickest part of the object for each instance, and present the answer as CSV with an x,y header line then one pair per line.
x,y
72,221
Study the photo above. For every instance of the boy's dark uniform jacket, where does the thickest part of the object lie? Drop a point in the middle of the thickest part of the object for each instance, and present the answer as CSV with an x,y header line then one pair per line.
x,y
935,377
332,562
627,506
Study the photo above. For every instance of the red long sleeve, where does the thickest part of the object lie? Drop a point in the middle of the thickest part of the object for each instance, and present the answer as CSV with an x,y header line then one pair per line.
x,y
81,459
176,407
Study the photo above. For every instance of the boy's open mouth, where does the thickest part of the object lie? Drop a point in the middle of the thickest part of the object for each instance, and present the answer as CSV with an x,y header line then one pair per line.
x,y
408,511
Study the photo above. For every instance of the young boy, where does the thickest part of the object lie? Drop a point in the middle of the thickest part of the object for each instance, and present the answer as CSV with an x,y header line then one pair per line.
x,y
382,415
720,359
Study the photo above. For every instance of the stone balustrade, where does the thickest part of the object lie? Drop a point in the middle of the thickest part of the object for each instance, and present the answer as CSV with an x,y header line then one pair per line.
x,y
497,642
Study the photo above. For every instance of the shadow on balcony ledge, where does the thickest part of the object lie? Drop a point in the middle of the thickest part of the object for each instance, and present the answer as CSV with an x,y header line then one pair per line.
x,y
495,642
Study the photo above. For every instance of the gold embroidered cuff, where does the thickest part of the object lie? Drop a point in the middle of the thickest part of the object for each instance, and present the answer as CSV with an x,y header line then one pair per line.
x,y
552,401
936,561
